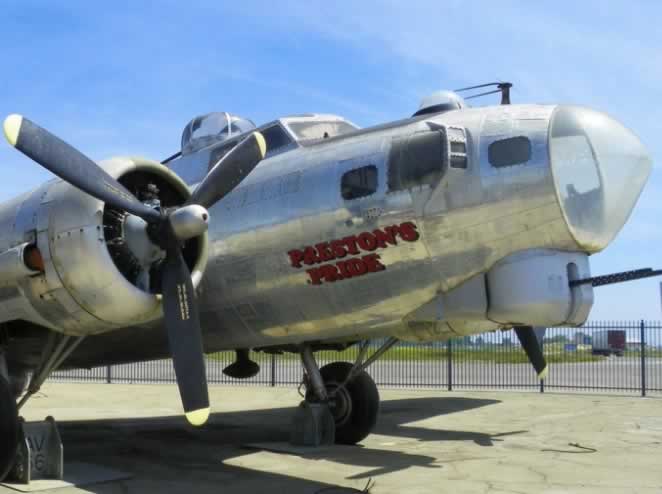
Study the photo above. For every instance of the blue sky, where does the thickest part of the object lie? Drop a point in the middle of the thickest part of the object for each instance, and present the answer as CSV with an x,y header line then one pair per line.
x,y
122,77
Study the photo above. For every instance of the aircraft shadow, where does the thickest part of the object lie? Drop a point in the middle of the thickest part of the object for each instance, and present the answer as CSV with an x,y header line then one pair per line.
x,y
161,447
395,413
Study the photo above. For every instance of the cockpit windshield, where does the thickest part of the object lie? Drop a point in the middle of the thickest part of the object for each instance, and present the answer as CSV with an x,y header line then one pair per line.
x,y
212,128
312,130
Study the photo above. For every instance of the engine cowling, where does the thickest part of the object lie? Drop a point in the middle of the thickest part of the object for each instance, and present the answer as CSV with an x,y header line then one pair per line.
x,y
93,281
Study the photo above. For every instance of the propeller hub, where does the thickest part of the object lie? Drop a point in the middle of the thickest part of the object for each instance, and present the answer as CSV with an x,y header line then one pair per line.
x,y
154,230
189,221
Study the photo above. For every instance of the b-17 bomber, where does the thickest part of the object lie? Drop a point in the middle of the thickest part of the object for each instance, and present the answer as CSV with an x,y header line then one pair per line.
x,y
308,233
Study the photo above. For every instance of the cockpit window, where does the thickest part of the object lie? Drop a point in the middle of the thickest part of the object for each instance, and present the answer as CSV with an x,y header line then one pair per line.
x,y
306,131
509,152
360,182
418,159
276,138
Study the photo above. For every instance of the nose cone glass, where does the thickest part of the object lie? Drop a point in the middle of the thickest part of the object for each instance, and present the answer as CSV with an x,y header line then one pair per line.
x,y
600,168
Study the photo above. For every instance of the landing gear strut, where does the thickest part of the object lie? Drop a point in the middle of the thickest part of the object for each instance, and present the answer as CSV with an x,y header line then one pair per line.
x,y
59,347
348,390
9,425
57,350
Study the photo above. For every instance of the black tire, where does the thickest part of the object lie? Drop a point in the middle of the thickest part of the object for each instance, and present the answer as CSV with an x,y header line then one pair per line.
x,y
356,407
9,428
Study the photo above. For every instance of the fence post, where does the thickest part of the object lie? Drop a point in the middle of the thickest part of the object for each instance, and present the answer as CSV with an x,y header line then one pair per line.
x,y
542,349
109,376
273,370
642,343
449,363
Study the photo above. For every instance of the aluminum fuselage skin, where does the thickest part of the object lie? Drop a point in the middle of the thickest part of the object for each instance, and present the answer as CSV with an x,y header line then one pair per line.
x,y
251,295
467,222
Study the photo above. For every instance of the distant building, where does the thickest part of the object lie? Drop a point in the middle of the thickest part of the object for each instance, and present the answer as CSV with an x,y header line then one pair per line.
x,y
582,338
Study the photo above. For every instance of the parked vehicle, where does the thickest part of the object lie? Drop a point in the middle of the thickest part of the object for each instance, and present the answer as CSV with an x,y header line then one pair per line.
x,y
609,342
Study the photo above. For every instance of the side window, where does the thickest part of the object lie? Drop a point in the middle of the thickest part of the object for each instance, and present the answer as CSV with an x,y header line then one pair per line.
x,y
275,137
359,182
509,152
416,160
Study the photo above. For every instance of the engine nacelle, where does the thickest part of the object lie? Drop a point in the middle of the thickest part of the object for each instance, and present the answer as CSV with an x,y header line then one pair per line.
x,y
91,281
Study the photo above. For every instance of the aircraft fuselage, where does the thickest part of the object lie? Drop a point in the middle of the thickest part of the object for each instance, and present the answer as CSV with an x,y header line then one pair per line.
x,y
410,229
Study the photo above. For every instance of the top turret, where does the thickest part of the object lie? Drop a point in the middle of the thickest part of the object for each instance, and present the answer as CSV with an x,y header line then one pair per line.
x,y
212,128
441,101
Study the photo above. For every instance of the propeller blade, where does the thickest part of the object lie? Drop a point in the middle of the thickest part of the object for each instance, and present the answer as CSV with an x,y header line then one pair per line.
x,y
182,323
72,166
230,170
529,341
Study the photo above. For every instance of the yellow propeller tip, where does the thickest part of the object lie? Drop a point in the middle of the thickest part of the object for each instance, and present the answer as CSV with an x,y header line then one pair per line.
x,y
543,373
262,144
12,128
198,417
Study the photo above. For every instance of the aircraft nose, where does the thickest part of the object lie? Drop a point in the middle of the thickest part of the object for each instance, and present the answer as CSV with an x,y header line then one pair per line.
x,y
600,168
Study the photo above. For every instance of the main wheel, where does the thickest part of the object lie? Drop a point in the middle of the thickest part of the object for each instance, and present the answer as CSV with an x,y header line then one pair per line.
x,y
354,407
9,429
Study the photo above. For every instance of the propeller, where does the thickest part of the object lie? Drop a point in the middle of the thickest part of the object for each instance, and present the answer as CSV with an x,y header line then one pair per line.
x,y
529,341
166,228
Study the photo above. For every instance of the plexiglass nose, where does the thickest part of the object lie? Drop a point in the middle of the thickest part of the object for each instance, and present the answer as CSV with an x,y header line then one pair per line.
x,y
600,168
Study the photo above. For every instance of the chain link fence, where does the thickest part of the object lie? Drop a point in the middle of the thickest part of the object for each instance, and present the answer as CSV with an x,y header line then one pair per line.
x,y
615,357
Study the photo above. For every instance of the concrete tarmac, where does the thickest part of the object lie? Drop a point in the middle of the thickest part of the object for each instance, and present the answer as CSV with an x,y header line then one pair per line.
x,y
425,442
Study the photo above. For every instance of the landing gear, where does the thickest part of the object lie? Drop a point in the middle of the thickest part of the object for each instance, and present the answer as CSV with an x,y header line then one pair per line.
x,y
354,404
9,428
58,348
349,392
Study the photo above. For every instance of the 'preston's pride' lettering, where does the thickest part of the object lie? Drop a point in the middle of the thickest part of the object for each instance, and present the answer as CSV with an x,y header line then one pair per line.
x,y
364,244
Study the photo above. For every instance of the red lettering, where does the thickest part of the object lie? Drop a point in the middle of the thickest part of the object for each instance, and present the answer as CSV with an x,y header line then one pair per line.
x,y
296,256
372,263
330,272
357,267
392,231
338,248
408,231
344,270
324,252
367,241
384,237
350,242
315,276
310,256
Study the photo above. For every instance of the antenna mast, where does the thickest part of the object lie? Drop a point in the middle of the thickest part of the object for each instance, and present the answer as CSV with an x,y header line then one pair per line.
x,y
502,87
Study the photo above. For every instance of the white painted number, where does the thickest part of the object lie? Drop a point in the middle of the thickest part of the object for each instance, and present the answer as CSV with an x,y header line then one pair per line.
x,y
183,302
